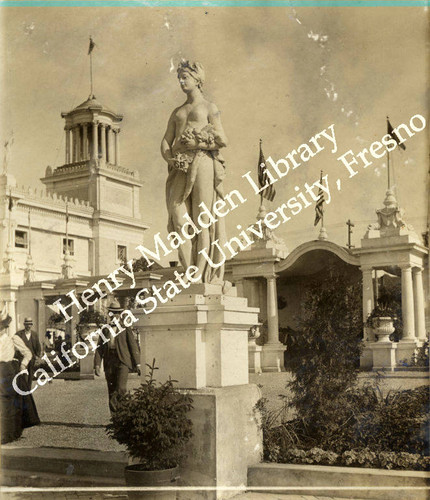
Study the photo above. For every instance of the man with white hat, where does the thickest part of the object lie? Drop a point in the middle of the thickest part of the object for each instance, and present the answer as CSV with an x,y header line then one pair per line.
x,y
120,356
31,341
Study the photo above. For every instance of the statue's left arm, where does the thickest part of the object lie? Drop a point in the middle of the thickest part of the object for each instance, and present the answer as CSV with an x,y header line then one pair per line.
x,y
215,120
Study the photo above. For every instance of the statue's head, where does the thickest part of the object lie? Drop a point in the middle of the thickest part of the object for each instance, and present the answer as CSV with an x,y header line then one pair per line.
x,y
193,69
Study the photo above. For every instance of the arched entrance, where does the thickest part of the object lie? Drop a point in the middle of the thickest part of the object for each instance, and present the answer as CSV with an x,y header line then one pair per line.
x,y
308,263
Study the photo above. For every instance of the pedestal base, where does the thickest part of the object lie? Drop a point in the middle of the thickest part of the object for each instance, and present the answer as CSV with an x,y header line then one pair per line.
x,y
366,358
406,350
254,354
272,358
226,441
86,365
384,355
199,338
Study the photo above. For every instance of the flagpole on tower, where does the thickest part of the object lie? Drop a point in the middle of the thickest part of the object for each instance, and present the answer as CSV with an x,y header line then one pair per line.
x,y
90,53
388,162
261,153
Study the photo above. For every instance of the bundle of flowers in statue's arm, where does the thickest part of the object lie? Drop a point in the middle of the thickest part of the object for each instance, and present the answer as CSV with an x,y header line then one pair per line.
x,y
199,142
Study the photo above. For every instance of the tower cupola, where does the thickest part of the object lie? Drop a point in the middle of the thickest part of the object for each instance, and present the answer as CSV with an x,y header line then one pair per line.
x,y
92,133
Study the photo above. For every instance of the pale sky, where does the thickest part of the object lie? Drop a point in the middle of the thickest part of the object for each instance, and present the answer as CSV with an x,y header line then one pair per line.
x,y
282,74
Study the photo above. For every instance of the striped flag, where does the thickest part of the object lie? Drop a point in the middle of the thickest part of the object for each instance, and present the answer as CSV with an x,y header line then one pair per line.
x,y
91,47
393,134
268,193
319,209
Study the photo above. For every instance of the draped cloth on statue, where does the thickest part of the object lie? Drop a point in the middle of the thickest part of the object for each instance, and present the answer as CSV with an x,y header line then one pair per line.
x,y
181,189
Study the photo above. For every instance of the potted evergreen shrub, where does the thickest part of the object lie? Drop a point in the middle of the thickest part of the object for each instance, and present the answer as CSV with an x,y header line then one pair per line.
x,y
152,422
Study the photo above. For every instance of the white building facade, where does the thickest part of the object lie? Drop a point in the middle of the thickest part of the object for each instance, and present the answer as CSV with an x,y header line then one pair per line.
x,y
85,222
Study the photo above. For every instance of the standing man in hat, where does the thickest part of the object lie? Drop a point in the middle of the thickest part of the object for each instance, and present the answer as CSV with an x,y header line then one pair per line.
x,y
120,355
31,341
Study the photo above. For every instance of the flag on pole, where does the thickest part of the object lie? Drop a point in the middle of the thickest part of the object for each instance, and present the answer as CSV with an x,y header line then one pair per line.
x,y
393,134
319,209
268,193
91,47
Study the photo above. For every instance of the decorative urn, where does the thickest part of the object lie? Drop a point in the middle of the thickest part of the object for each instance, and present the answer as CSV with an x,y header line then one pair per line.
x,y
383,327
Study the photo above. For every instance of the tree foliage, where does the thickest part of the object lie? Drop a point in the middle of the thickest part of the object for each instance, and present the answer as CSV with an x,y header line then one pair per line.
x,y
330,331
152,423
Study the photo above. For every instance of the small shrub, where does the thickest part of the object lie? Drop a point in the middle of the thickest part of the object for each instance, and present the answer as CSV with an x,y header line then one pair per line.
x,y
364,457
277,433
373,430
397,421
315,456
152,423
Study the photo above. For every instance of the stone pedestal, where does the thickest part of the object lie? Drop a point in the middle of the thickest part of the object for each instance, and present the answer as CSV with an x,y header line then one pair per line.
x,y
254,353
272,358
366,358
226,441
200,339
86,366
405,351
384,355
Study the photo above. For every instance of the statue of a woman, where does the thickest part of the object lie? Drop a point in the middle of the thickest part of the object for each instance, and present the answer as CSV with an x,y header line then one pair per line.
x,y
190,147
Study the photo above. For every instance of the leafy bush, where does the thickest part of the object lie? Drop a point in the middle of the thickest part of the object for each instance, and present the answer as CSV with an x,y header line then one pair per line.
x,y
422,357
374,430
152,423
397,421
357,458
336,421
275,437
330,344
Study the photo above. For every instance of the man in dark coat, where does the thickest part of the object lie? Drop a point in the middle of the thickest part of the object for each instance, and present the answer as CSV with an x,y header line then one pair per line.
x,y
120,356
31,341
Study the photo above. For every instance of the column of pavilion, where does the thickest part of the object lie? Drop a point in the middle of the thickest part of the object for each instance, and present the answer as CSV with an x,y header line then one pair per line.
x,y
413,315
79,147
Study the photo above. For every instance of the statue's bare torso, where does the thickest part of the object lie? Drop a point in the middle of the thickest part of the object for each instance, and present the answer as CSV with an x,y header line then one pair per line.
x,y
193,132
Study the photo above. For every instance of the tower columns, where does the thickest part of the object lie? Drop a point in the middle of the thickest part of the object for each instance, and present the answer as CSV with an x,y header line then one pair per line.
x,y
79,144
75,145
67,131
117,157
110,156
85,141
103,140
95,151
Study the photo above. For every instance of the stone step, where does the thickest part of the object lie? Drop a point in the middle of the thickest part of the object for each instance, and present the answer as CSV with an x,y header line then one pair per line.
x,y
31,479
70,465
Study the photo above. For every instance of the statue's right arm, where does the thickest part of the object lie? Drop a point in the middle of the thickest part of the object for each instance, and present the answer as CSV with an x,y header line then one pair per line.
x,y
169,137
